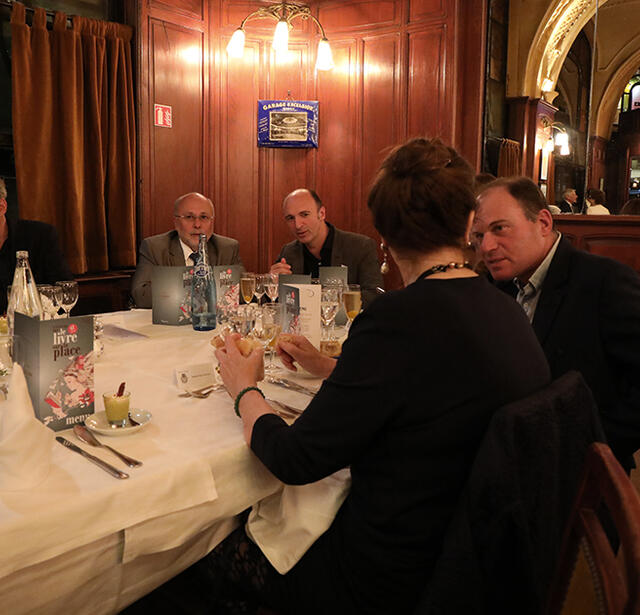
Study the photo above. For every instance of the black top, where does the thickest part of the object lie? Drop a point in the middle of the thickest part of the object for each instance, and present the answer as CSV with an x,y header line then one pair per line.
x,y
45,257
311,263
406,406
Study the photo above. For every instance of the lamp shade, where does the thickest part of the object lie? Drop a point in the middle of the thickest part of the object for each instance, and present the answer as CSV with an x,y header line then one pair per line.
x,y
235,47
548,146
281,37
564,150
562,139
324,60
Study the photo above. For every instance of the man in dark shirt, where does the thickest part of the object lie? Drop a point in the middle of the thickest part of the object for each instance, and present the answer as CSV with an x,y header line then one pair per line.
x,y
318,243
39,239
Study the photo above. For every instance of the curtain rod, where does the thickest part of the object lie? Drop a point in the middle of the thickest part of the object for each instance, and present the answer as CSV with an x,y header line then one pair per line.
x,y
10,3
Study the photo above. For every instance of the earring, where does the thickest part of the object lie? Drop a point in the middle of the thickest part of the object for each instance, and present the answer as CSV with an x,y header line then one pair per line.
x,y
384,268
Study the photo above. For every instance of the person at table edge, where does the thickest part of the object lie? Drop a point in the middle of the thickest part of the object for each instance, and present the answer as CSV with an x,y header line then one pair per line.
x,y
585,309
319,243
193,214
39,239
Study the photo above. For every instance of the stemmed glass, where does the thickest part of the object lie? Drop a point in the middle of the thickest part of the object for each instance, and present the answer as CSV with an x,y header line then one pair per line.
x,y
330,299
271,286
260,287
49,300
352,301
68,295
247,286
268,326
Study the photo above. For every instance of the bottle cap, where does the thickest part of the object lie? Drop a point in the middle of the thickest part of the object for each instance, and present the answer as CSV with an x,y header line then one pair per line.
x,y
22,254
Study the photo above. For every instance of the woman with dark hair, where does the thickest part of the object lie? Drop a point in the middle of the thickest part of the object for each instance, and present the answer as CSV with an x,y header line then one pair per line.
x,y
595,203
405,405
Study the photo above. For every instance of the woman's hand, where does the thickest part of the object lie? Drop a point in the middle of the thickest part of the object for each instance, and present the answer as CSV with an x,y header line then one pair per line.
x,y
238,372
299,349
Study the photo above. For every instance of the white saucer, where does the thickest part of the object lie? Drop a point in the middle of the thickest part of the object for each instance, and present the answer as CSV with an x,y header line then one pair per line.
x,y
98,423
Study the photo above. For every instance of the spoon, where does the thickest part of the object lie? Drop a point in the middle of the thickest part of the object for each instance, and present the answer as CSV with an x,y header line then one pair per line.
x,y
86,436
204,392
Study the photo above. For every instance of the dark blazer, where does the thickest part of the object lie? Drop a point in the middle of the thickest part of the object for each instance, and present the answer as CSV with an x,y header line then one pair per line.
x,y
165,249
588,319
357,252
45,257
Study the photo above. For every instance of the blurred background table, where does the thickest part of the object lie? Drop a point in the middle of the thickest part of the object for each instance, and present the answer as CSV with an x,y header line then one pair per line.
x,y
84,542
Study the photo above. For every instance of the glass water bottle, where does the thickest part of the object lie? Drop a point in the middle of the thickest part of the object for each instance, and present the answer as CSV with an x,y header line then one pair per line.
x,y
24,294
203,291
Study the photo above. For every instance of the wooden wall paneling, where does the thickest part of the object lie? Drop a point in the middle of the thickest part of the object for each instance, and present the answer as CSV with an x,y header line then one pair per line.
x,y
285,169
381,111
177,153
240,85
336,175
625,249
429,101
189,8
340,16
468,88
428,9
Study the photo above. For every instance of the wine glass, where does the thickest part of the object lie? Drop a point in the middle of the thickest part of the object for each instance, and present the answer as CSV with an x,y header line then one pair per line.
x,y
267,328
243,319
352,301
248,286
330,300
68,295
271,286
49,300
260,287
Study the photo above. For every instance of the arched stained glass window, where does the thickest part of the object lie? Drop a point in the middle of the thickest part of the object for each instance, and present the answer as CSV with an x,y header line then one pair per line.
x,y
630,99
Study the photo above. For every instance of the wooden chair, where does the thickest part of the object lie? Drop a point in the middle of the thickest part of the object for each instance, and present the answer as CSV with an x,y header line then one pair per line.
x,y
589,577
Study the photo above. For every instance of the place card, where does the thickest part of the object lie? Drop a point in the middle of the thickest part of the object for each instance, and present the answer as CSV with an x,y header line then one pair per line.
x,y
57,359
195,376
302,307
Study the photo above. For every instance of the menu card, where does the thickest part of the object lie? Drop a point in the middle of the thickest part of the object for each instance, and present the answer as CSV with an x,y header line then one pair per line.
x,y
292,278
302,308
171,295
57,359
227,279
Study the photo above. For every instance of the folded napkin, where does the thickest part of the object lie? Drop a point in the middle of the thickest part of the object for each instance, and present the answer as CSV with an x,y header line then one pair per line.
x,y
25,443
284,525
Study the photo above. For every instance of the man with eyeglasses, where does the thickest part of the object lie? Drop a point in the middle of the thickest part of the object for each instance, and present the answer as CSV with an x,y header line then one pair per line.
x,y
193,215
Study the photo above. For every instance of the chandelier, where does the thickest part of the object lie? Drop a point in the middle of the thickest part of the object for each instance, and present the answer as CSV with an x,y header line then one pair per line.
x,y
284,13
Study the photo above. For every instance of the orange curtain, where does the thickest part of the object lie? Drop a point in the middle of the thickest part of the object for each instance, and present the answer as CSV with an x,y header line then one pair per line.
x,y
509,159
74,134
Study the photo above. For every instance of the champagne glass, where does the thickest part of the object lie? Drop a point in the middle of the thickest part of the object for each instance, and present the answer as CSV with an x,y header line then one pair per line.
x,y
68,295
271,286
260,287
243,319
271,318
248,286
49,300
352,301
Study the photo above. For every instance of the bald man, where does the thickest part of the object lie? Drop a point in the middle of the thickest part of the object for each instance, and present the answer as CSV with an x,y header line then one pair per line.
x,y
193,214
318,243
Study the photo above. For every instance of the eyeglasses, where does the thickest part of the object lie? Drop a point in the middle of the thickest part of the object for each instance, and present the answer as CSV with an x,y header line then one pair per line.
x,y
191,218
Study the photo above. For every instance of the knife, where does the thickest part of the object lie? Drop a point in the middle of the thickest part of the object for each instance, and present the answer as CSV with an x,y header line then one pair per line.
x,y
294,386
102,464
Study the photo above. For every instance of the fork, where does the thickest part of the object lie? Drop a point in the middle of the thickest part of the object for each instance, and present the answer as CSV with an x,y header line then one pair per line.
x,y
204,392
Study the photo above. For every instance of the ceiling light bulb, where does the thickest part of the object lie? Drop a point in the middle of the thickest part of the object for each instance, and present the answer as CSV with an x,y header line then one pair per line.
x,y
281,37
324,60
235,47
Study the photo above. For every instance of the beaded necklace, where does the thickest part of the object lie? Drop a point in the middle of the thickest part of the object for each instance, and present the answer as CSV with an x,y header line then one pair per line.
x,y
442,268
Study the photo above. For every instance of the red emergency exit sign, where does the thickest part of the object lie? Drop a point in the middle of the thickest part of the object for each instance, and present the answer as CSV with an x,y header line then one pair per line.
x,y
162,115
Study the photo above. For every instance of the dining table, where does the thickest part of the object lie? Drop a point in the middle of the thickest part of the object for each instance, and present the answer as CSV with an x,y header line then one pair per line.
x,y
83,541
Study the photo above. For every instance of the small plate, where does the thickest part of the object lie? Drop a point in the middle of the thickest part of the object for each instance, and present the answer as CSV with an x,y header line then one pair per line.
x,y
98,423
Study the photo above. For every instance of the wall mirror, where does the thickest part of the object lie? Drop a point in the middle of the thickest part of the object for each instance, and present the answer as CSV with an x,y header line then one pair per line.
x,y
581,59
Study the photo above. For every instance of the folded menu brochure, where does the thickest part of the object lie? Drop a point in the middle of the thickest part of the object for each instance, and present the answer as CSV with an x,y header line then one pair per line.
x,y
171,295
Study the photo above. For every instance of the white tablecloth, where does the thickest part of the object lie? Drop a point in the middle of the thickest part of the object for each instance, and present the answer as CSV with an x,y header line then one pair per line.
x,y
85,542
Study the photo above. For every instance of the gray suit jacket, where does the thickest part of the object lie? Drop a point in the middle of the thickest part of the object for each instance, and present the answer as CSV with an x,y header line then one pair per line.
x,y
357,252
165,249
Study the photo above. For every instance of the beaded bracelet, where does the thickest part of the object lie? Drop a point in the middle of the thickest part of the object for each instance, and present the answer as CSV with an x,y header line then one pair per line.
x,y
236,403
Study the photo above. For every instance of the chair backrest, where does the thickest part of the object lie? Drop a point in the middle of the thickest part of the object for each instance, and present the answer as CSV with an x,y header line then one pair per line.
x,y
589,577
501,548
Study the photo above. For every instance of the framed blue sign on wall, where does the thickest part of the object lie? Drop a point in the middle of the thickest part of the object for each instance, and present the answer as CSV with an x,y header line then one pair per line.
x,y
287,123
